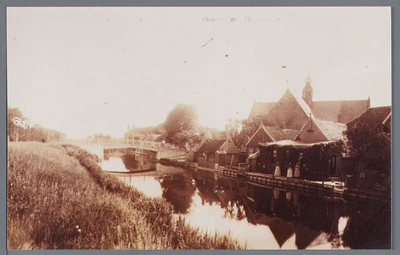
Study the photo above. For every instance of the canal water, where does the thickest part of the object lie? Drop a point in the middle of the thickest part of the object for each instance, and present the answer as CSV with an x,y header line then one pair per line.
x,y
260,217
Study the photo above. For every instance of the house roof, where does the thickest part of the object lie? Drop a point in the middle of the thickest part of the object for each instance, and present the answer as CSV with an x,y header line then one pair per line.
x,y
387,123
260,129
275,134
141,136
207,135
293,143
151,137
211,145
373,117
228,148
387,127
279,134
339,111
332,130
222,146
261,108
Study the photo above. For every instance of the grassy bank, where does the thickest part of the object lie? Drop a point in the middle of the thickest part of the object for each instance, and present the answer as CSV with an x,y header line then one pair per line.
x,y
59,198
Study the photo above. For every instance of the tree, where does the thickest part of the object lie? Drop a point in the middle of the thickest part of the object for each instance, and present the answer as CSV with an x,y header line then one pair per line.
x,y
12,129
364,137
236,133
242,130
129,134
36,133
180,124
135,131
187,136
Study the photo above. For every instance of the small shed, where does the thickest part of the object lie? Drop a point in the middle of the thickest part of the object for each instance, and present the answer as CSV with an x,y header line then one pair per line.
x,y
218,152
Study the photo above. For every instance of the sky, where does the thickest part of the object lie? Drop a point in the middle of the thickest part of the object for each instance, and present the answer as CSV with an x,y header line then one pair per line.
x,y
88,70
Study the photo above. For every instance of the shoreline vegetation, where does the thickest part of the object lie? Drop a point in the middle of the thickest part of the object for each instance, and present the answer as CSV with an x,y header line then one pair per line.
x,y
60,198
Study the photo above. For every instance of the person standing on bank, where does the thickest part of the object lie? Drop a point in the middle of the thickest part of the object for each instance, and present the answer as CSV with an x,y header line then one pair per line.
x,y
277,170
290,171
297,170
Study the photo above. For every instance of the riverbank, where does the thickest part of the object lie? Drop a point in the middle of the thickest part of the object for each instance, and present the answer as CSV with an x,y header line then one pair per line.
x,y
59,198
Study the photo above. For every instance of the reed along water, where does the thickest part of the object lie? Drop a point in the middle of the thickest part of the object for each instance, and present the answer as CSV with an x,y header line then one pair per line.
x,y
260,217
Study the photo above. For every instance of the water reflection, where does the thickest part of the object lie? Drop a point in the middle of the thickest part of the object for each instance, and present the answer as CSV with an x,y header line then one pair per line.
x,y
132,162
146,184
178,192
266,218
212,218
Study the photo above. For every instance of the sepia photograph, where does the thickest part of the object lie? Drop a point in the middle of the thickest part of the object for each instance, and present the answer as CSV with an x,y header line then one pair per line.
x,y
206,128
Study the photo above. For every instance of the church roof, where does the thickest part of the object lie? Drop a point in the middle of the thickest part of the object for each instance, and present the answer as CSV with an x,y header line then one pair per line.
x,y
304,106
339,111
261,108
290,112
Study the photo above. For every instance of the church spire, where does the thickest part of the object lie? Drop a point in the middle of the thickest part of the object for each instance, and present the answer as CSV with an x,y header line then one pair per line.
x,y
308,91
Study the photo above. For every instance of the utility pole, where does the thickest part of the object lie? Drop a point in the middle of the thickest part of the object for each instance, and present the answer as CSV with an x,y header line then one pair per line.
x,y
127,135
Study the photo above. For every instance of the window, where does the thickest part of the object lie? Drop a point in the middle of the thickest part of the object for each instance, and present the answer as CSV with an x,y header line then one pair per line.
x,y
251,150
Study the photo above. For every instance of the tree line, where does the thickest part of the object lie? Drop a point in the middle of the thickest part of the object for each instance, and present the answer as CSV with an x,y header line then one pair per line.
x,y
181,127
36,133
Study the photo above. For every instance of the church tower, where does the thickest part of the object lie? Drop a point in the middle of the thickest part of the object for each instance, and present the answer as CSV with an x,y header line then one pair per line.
x,y
308,91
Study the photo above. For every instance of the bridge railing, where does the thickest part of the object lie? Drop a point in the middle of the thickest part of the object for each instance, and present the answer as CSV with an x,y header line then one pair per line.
x,y
131,142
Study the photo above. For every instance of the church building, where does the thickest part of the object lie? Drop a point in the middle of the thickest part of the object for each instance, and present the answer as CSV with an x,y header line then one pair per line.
x,y
292,112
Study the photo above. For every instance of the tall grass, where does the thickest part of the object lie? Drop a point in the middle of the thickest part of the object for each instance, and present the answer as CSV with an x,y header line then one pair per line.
x,y
59,198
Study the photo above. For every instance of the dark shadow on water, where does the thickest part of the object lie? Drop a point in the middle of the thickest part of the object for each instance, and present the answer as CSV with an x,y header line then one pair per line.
x,y
308,217
179,193
130,162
